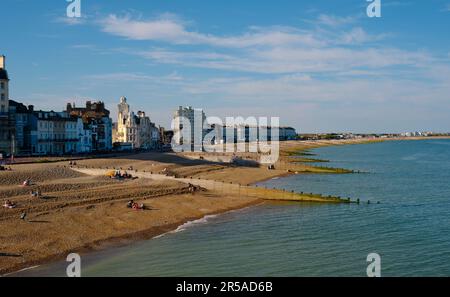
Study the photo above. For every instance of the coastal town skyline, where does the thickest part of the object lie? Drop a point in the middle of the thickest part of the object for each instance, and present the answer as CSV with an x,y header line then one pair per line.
x,y
28,130
311,67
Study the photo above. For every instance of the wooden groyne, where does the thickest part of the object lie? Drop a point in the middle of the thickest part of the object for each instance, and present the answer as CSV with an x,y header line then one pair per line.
x,y
232,188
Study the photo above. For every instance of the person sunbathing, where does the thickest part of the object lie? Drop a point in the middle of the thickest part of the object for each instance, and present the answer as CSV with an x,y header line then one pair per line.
x,y
130,204
138,206
9,204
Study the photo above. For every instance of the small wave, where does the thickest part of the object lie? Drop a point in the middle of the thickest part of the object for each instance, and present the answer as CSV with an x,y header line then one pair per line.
x,y
203,220
187,225
192,223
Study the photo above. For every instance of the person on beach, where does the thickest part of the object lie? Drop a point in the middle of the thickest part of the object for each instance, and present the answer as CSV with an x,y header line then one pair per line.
x,y
135,206
23,216
35,194
138,206
9,204
192,188
130,204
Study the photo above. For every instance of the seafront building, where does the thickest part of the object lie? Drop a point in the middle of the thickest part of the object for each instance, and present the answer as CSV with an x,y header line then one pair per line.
x,y
166,136
25,128
6,119
247,133
25,131
46,132
40,133
56,133
97,126
135,131
188,125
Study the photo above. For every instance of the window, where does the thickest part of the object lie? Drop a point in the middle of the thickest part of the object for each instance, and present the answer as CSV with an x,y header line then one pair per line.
x,y
2,85
3,97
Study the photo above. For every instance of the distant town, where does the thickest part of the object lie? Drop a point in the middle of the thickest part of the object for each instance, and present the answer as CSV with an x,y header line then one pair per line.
x,y
28,131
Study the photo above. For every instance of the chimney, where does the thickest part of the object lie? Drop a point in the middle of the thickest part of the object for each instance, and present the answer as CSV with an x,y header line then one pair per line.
x,y
2,62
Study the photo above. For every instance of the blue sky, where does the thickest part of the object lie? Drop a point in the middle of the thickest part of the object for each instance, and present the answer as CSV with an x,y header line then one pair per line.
x,y
318,65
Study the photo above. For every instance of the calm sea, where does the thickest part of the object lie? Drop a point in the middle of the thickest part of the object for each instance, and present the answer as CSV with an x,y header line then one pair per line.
x,y
409,229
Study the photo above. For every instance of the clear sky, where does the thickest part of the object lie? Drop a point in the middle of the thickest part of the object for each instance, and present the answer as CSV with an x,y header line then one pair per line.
x,y
318,65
